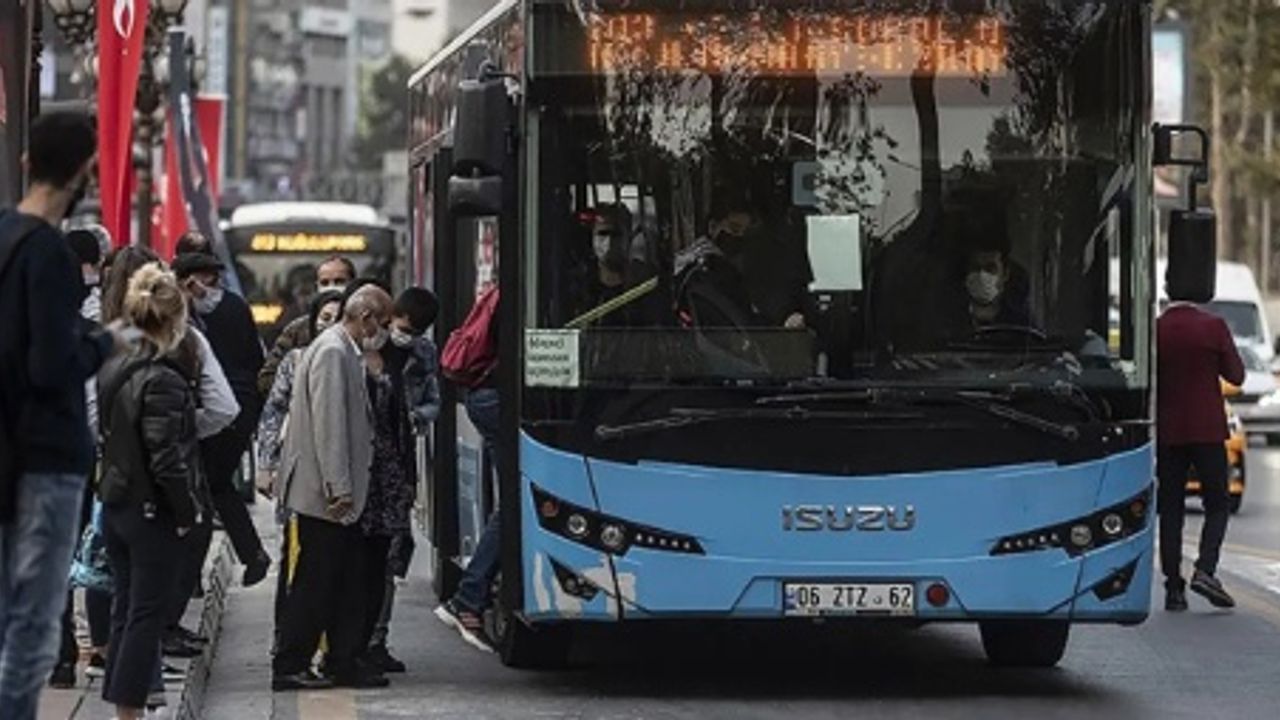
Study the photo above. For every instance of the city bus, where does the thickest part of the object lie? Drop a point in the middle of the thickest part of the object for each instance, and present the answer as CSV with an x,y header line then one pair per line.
x,y
278,246
805,312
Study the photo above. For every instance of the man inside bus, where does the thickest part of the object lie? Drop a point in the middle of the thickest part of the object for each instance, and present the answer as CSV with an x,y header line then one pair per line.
x,y
620,263
737,275
334,274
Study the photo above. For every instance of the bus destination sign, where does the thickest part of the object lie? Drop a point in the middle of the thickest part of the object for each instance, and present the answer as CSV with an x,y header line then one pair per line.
x,y
877,45
308,243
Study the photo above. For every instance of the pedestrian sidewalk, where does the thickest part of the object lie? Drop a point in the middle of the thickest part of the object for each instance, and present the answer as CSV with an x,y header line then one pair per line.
x,y
84,702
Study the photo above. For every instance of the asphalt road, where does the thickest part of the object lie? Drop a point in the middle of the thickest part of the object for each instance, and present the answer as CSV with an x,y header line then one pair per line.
x,y
1204,664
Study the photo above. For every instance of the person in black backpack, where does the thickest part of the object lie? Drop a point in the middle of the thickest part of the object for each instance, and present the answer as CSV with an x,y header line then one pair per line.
x,y
150,481
47,352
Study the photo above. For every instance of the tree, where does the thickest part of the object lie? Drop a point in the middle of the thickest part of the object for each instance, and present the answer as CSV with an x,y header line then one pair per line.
x,y
384,114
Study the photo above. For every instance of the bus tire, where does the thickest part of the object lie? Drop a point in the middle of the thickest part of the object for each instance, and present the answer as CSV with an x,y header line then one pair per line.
x,y
1024,643
544,646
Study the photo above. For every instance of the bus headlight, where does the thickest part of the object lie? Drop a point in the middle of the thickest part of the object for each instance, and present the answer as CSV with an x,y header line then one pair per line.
x,y
604,532
1081,535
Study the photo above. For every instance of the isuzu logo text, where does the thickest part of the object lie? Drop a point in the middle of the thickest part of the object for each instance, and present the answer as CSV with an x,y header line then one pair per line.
x,y
865,518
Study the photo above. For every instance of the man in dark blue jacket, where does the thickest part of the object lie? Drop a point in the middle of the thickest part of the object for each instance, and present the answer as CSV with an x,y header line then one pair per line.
x,y
47,353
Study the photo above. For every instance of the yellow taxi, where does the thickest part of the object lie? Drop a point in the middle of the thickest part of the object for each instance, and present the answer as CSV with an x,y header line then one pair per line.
x,y
1237,442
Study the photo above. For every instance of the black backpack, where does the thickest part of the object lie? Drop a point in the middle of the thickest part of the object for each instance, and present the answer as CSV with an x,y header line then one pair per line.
x,y
10,462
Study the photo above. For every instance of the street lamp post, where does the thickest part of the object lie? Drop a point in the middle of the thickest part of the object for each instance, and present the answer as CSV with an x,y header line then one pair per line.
x,y
77,21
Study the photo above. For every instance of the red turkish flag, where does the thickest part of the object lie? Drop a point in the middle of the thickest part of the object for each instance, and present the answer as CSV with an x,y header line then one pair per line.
x,y
122,28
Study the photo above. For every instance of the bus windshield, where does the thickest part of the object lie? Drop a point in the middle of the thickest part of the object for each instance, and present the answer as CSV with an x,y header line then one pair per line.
x,y
855,191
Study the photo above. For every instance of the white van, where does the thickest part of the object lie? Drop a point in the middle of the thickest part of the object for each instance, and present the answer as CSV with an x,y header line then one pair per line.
x,y
1239,302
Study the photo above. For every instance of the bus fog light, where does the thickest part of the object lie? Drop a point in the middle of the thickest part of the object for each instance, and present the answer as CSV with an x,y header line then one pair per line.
x,y
576,526
549,508
1081,535
613,537
1112,524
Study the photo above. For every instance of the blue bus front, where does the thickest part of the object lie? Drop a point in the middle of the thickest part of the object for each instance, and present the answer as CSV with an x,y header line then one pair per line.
x,y
815,314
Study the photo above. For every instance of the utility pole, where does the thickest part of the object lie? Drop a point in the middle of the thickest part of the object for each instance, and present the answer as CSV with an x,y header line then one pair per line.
x,y
1268,134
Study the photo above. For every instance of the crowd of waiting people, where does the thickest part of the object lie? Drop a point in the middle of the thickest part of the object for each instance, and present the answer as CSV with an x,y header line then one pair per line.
x,y
130,390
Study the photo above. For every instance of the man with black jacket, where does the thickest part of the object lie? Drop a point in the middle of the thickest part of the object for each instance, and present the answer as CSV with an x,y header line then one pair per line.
x,y
47,353
227,322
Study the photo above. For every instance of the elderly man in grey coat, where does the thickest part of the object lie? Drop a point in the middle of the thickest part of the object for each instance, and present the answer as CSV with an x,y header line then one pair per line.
x,y
324,477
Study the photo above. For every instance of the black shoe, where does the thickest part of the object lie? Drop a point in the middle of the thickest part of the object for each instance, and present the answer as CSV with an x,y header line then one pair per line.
x,y
64,676
379,658
1175,600
364,679
177,648
256,570
185,635
1208,586
305,680
97,666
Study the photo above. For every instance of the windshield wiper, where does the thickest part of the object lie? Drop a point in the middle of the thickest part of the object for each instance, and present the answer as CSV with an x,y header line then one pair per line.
x,y
989,402
680,417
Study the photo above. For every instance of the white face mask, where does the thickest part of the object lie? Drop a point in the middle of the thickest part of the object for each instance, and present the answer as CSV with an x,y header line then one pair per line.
x,y
331,287
92,279
984,287
400,338
212,297
377,342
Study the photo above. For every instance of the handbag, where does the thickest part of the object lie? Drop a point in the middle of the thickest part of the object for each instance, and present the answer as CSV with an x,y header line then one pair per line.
x,y
91,569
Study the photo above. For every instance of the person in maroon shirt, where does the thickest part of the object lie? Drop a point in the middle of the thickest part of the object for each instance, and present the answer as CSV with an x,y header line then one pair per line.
x,y
1195,353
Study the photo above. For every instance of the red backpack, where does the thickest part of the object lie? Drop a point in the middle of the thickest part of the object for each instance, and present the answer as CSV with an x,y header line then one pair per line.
x,y
471,354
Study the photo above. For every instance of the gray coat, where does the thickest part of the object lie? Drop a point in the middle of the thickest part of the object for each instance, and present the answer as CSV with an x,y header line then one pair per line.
x,y
328,447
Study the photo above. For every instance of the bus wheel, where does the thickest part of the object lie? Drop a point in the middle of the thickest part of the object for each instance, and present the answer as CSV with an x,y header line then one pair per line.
x,y
1024,643
544,646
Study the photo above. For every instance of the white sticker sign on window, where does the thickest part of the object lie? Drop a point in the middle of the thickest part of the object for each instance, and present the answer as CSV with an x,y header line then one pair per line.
x,y
835,252
551,358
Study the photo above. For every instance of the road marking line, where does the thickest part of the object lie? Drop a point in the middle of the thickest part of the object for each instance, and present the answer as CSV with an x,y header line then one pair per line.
x,y
336,704
1258,571
1250,550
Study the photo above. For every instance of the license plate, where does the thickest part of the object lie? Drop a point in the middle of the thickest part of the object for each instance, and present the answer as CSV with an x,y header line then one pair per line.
x,y
819,599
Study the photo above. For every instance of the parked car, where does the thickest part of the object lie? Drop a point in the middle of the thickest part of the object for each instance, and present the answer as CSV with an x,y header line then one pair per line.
x,y
1257,402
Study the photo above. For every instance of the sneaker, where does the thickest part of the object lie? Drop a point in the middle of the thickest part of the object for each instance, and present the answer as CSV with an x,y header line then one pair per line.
x,y
172,674
381,659
97,667
305,680
1211,588
470,625
63,677
1175,600
187,636
176,647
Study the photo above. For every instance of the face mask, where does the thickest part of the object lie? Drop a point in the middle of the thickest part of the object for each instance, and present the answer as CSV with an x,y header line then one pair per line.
x,y
333,286
984,287
400,338
206,304
377,342
91,279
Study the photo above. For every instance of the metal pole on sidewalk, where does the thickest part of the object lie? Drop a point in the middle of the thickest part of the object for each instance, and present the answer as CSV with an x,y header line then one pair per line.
x,y
1268,134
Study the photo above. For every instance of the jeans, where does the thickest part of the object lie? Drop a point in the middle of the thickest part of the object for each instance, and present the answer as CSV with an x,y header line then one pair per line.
x,y
1173,462
35,557
474,590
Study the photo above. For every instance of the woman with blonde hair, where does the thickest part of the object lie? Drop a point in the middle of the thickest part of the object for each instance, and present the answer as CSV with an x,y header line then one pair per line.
x,y
151,472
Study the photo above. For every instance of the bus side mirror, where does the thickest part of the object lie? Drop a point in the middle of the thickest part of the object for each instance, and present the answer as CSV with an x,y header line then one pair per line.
x,y
480,146
1192,271
480,128
475,196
